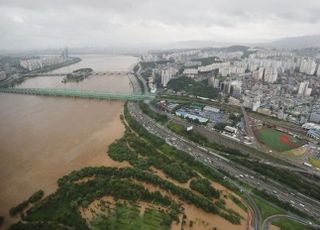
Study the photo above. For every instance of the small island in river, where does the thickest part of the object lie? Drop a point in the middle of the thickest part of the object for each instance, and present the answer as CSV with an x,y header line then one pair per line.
x,y
78,75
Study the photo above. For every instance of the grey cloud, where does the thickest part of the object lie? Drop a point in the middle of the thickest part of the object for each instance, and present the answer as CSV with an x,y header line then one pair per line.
x,y
43,23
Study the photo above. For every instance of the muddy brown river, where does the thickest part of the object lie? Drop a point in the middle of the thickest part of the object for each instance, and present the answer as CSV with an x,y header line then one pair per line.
x,y
44,138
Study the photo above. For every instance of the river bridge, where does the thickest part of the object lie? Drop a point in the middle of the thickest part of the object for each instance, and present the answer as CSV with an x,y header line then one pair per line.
x,y
107,73
76,93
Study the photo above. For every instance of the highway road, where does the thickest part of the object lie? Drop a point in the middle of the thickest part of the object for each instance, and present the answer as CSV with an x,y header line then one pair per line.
x,y
265,158
256,214
274,159
138,75
299,201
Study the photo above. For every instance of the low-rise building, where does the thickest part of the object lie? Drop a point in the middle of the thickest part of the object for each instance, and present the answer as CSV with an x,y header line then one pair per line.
x,y
211,109
191,116
264,111
315,117
231,130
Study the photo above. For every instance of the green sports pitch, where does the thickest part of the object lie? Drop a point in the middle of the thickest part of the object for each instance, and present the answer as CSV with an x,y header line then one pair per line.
x,y
277,140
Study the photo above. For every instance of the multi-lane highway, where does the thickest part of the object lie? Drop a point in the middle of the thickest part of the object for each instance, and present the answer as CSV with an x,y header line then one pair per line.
x,y
213,159
268,159
299,201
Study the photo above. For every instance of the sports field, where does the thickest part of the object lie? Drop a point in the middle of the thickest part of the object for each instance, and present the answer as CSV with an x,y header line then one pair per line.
x,y
315,162
277,140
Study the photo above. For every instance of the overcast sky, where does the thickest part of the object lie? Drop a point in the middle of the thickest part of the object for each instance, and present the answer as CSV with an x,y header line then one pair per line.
x,y
30,24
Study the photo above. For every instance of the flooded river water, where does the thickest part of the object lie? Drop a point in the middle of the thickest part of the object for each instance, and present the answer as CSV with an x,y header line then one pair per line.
x,y
44,138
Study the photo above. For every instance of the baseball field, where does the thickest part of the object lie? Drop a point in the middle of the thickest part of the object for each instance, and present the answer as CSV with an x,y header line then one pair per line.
x,y
277,140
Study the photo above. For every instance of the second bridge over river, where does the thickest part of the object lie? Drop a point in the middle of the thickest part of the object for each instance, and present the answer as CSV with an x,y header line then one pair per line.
x,y
107,73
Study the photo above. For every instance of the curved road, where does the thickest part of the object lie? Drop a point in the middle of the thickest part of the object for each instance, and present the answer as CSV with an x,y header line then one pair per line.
x,y
256,214
270,219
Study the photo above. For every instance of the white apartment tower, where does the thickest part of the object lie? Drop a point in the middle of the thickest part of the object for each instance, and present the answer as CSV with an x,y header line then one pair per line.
x,y
304,89
270,74
258,74
308,66
167,74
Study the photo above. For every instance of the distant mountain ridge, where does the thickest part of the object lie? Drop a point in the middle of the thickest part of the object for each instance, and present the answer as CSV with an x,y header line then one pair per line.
x,y
295,42
288,42
300,42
